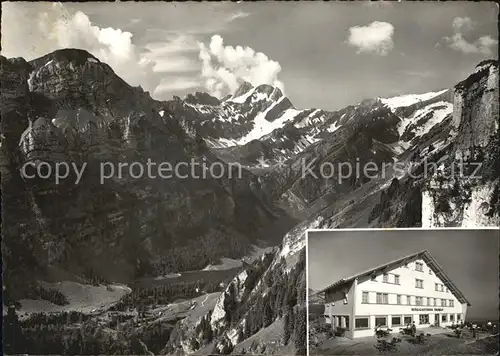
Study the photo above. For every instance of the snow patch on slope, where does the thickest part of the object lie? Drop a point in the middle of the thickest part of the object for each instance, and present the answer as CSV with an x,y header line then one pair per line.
x,y
242,98
410,99
262,126
333,127
439,111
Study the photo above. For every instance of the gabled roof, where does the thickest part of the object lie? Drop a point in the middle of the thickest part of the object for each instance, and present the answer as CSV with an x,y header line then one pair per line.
x,y
425,256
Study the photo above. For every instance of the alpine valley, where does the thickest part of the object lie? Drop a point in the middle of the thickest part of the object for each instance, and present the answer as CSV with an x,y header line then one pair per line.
x,y
212,266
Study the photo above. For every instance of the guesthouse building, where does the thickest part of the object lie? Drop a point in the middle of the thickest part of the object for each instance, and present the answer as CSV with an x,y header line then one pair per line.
x,y
412,289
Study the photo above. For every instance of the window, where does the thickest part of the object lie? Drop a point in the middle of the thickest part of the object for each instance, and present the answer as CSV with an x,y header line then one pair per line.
x,y
459,317
435,286
443,302
361,323
381,320
447,290
419,283
428,301
364,297
452,317
347,321
430,271
385,298
408,299
419,267
374,278
398,299
441,287
443,317
396,279
435,302
396,320
423,319
385,278
452,303
418,300
379,298
407,319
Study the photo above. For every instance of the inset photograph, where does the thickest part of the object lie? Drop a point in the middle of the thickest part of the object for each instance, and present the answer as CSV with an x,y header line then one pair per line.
x,y
403,291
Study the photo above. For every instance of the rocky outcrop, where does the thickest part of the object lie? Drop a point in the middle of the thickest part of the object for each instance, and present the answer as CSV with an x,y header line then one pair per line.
x,y
461,190
201,98
235,290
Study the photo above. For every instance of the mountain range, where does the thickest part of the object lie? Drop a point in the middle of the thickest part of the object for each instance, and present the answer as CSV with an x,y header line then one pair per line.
x,y
68,106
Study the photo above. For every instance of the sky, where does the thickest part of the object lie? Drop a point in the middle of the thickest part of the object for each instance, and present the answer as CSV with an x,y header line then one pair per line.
x,y
469,257
321,54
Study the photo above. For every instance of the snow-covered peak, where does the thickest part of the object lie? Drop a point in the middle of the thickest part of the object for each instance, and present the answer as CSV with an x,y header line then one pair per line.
x,y
250,95
263,127
409,99
244,88
240,99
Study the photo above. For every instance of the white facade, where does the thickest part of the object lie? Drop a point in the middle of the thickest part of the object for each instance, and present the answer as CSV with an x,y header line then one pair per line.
x,y
393,296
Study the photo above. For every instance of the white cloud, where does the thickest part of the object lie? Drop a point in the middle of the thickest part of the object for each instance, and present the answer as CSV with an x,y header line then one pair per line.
x,y
237,15
462,24
485,44
172,84
379,4
482,45
110,45
224,68
417,73
179,64
172,55
373,38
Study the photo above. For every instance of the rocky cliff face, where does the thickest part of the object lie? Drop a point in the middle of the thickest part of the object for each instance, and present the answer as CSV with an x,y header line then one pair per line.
x,y
463,191
69,107
20,243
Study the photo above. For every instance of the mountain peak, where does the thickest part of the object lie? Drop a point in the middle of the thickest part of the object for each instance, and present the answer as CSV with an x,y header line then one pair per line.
x,y
79,56
487,62
244,88
201,98
248,92
269,89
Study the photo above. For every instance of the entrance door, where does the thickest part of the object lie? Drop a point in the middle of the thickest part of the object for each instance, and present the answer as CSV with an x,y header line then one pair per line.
x,y
436,319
